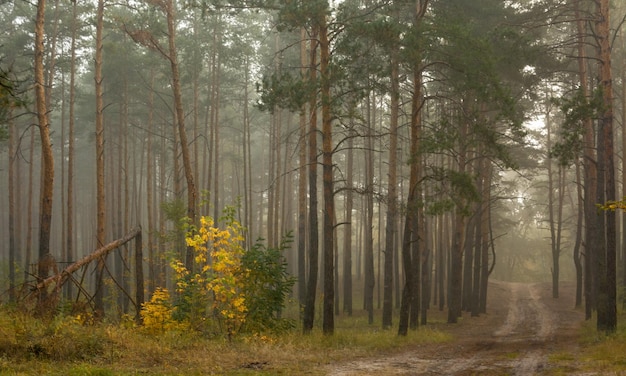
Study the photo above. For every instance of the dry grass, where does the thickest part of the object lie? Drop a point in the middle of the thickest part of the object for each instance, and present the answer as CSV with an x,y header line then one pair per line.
x,y
600,353
64,346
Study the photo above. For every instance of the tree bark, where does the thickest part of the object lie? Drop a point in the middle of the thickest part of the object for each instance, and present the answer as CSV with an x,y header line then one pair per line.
x,y
554,246
247,165
328,324
590,174
215,119
311,286
302,183
47,157
29,206
458,238
411,252
623,79
478,237
369,279
12,210
392,190
485,228
579,236
152,261
71,148
607,309
170,11
139,289
468,258
273,151
347,238
100,167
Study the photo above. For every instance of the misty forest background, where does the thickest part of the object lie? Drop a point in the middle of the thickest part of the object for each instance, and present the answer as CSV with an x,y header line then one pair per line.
x,y
411,149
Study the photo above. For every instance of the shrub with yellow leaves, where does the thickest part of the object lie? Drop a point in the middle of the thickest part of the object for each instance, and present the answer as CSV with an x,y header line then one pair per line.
x,y
216,281
157,313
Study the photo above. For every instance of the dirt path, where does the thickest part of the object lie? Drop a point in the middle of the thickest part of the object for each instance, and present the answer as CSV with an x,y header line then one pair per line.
x,y
524,326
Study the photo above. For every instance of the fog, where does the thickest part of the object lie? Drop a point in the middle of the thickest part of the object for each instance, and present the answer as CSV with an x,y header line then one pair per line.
x,y
486,171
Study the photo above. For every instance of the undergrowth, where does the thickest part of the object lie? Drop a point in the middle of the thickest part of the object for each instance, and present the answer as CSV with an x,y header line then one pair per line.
x,y
68,345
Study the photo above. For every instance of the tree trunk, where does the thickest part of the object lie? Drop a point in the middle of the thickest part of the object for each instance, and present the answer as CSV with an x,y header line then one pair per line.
x,y
152,261
311,287
215,116
163,188
411,251
554,246
468,258
579,236
478,238
12,210
369,279
170,10
123,258
70,148
47,157
392,190
562,175
273,151
623,79
29,207
458,237
196,69
607,287
247,161
485,228
417,257
590,174
302,191
347,237
100,193
139,289
327,178
442,262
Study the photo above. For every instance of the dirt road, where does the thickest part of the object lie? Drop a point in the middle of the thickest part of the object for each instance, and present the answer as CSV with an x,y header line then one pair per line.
x,y
523,327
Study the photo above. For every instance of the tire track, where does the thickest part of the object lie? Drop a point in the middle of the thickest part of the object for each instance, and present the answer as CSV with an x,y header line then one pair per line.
x,y
525,333
528,319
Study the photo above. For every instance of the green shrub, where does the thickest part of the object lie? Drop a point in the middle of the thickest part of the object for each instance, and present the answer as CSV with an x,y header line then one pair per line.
x,y
267,286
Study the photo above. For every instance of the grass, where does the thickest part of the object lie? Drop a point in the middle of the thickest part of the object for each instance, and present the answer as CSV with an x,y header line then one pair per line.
x,y
65,346
600,353
605,352
511,355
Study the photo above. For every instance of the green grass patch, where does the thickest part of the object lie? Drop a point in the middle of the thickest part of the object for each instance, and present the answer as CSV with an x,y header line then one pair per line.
x,y
511,355
562,357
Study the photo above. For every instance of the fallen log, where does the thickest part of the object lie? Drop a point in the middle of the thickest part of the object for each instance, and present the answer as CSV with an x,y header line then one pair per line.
x,y
61,277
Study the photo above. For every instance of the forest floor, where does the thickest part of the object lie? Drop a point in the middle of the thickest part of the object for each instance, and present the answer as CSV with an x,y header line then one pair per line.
x,y
526,332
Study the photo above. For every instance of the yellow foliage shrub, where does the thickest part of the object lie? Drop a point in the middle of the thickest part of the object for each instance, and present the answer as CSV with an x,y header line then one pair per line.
x,y
157,313
218,277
